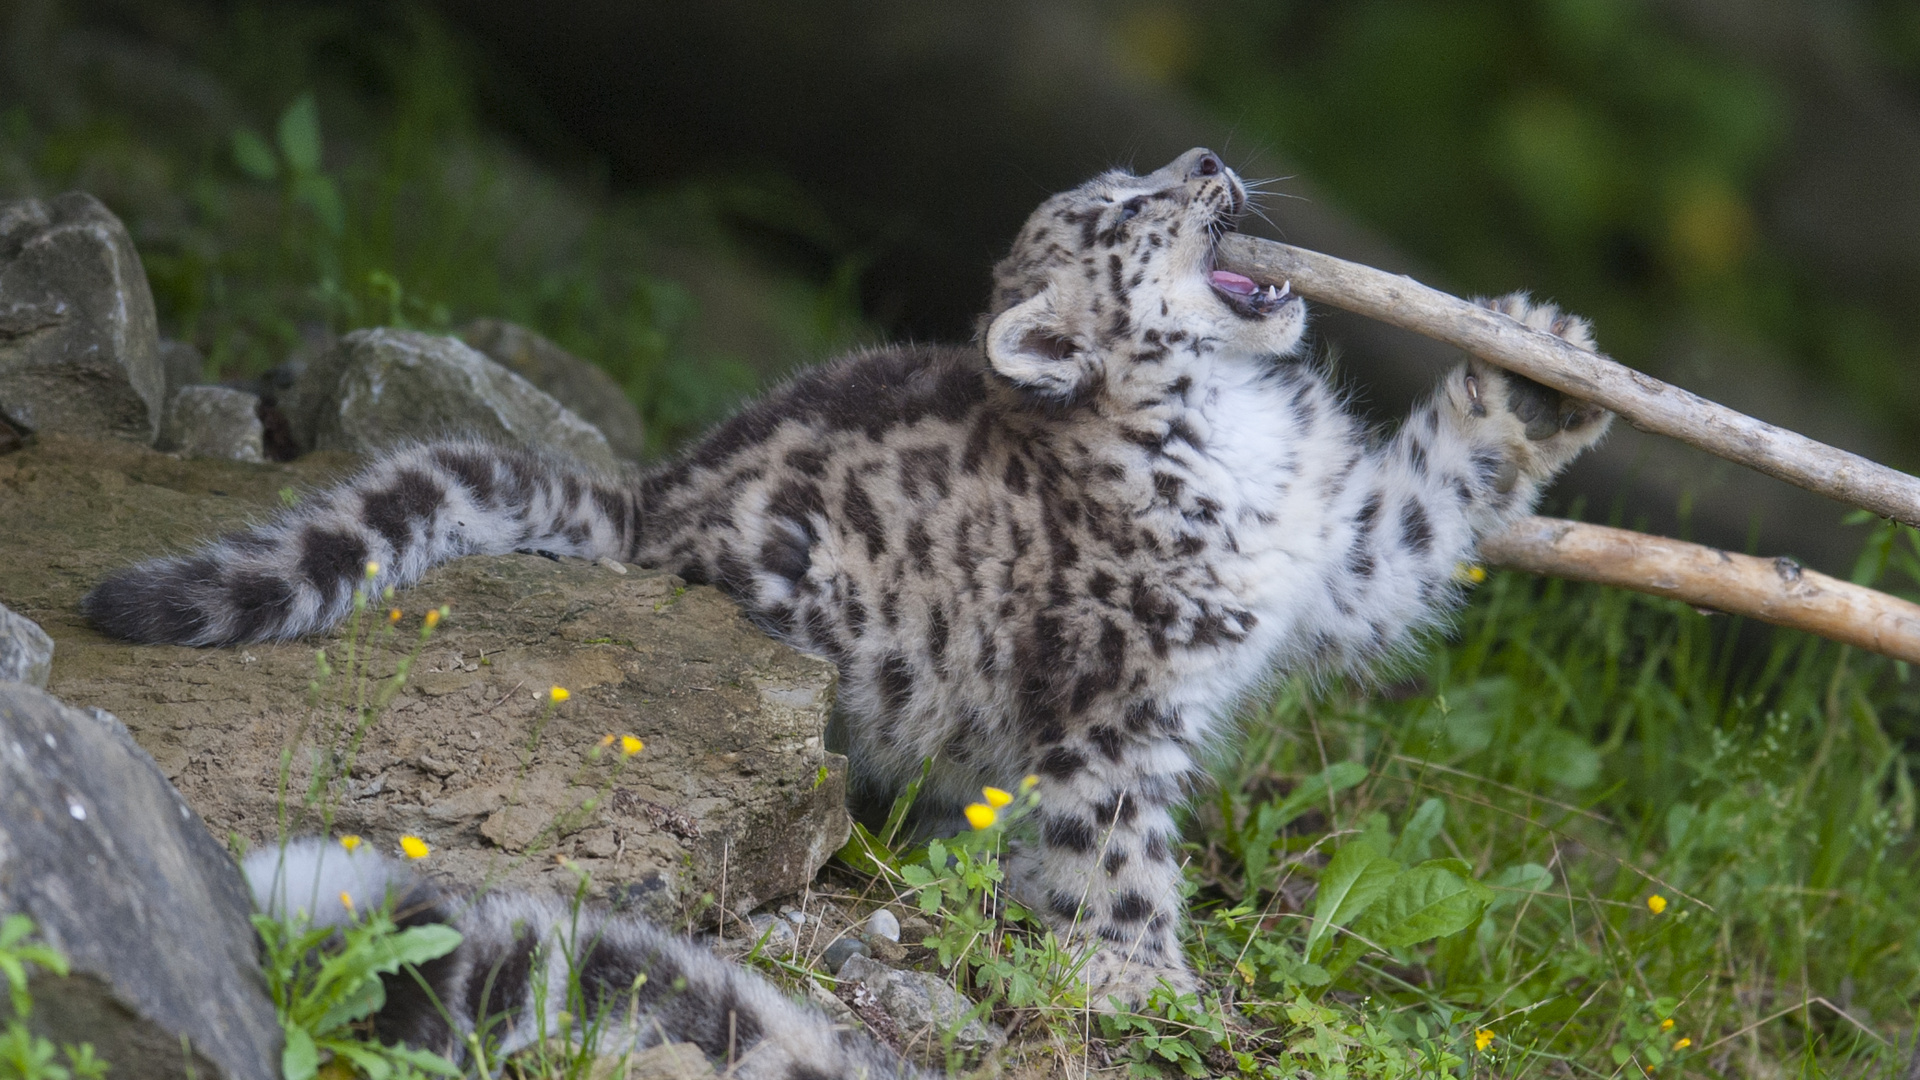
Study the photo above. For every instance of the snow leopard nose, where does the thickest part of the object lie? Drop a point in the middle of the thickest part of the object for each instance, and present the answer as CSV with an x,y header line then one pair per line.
x,y
1207,164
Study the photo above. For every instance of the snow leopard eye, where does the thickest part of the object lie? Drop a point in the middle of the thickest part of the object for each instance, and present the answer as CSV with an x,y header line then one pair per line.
x,y
1131,207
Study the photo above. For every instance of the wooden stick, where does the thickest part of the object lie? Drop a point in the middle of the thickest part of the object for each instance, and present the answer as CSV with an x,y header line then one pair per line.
x,y
1644,401
1778,591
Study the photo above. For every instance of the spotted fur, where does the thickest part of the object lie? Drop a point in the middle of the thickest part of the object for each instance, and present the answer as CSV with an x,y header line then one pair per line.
x,y
1071,550
520,955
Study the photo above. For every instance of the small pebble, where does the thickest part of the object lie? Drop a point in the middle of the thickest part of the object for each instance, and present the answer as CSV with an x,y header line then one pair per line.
x,y
795,917
841,951
884,924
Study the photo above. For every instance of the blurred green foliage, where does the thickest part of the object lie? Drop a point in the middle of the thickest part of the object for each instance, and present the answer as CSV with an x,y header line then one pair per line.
x,y
1587,149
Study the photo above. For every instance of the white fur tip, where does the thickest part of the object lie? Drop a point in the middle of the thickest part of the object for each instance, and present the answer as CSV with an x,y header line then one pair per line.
x,y
310,877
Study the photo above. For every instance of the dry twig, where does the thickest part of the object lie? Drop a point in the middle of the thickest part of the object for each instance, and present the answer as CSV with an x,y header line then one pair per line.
x,y
1779,591
1644,401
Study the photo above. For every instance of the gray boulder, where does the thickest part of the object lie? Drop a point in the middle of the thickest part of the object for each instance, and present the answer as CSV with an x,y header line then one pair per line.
x,y
573,382
922,1009
120,876
214,422
379,387
26,652
79,348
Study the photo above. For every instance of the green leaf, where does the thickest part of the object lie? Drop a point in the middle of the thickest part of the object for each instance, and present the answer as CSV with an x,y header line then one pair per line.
x,y
1416,839
253,156
318,193
301,1059
357,1002
419,944
1512,884
1434,899
864,852
1356,876
299,135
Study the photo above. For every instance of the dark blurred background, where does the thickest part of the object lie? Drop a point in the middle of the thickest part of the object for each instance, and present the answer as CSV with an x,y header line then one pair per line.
x,y
700,197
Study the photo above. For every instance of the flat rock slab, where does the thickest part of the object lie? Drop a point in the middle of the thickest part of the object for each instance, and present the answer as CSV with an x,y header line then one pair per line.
x,y
121,877
734,795
26,652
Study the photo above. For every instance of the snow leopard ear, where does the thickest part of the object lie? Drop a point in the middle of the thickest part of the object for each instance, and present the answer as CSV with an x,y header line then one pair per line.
x,y
1034,348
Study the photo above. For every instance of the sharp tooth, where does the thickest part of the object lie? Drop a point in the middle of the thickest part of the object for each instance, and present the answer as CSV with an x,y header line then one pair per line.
x,y
1287,288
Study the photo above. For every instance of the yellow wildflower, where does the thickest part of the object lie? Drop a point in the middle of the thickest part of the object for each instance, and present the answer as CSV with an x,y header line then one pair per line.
x,y
346,901
433,618
1656,903
558,694
995,797
414,847
980,815
606,740
630,746
1682,1043
1482,1039
373,570
350,841
1469,573
1667,1024
1029,782
393,616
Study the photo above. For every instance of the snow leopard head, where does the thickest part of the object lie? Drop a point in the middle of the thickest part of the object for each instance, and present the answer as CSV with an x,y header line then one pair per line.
x,y
1116,278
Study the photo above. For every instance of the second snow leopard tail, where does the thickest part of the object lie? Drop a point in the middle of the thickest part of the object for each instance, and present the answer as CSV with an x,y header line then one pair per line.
x,y
533,966
414,508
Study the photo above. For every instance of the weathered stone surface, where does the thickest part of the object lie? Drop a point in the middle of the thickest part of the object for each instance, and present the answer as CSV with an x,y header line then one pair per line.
x,y
923,1008
183,364
379,387
26,652
214,422
121,877
79,348
571,381
734,794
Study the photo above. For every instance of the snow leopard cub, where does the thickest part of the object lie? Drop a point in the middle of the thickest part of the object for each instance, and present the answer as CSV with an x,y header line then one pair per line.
x,y
1069,550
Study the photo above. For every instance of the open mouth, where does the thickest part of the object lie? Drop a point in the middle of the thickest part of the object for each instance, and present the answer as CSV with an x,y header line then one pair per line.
x,y
1247,296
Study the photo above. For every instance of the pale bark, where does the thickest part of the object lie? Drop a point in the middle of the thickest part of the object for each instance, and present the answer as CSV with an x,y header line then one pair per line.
x,y
1778,591
1642,400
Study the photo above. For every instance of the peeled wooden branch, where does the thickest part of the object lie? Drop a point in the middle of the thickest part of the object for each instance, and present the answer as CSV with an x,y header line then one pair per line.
x,y
1644,401
1778,591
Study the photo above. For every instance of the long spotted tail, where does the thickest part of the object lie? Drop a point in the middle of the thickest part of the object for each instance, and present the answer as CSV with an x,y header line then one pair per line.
x,y
529,966
417,507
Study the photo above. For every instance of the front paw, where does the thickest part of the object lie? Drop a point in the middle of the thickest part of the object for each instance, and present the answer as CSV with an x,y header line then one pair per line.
x,y
1544,428
1119,983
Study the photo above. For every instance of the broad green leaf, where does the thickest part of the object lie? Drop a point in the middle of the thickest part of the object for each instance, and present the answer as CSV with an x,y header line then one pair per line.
x,y
1431,900
1416,839
419,944
300,1060
1512,884
254,157
299,135
1436,898
1355,877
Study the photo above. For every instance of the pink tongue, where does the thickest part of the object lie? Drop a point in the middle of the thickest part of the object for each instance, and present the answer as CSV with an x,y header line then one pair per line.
x,y
1228,281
